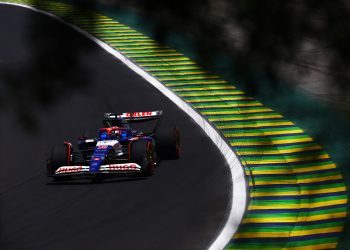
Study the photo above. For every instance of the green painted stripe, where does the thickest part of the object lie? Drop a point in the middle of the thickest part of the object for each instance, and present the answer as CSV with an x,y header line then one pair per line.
x,y
282,158
171,68
270,203
296,214
290,177
290,228
157,64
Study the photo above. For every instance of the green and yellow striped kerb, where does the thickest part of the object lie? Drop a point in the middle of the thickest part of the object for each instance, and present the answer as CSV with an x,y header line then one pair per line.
x,y
297,196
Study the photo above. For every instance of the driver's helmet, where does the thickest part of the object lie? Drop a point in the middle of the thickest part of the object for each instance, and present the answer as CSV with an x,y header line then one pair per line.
x,y
114,134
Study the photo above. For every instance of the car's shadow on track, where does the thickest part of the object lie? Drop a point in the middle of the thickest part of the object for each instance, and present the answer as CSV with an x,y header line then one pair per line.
x,y
94,181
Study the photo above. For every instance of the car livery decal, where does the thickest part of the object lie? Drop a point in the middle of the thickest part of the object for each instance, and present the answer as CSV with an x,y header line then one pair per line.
x,y
111,168
71,169
121,167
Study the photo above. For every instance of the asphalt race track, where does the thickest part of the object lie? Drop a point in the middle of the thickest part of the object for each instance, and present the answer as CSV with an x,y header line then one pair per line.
x,y
183,206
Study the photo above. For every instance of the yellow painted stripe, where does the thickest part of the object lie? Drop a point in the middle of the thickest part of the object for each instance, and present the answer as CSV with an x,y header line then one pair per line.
x,y
155,55
271,142
240,118
174,69
295,218
163,59
214,93
117,33
299,181
148,51
98,23
197,84
264,133
181,73
281,150
117,29
308,169
296,170
189,78
122,43
168,64
251,170
221,98
102,26
236,112
84,17
112,31
138,49
102,18
152,48
294,206
133,42
257,125
121,36
106,28
106,22
297,193
114,35
207,88
228,105
98,19
287,160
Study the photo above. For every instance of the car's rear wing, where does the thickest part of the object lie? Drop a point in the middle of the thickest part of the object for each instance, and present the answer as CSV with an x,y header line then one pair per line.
x,y
134,116
113,119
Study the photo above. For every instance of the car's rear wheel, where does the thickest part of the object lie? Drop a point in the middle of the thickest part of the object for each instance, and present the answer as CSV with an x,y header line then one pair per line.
x,y
168,142
142,153
60,156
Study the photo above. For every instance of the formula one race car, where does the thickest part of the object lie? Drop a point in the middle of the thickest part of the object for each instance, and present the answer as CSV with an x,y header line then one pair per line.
x,y
119,149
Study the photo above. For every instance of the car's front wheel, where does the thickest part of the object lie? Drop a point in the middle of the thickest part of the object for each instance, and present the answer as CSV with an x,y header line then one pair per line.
x,y
142,153
60,156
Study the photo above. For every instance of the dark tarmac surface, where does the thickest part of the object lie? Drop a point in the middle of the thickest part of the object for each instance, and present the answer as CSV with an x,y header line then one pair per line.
x,y
183,206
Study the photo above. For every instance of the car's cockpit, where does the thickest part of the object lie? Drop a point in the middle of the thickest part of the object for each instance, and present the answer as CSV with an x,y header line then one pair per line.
x,y
114,133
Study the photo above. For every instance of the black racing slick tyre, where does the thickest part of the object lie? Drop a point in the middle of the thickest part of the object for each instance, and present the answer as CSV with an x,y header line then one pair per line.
x,y
59,157
168,142
142,153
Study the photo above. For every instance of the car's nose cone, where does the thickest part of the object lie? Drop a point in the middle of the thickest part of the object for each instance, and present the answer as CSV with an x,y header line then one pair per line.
x,y
95,164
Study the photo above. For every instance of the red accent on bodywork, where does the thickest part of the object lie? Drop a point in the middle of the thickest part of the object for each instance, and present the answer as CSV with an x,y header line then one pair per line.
x,y
109,130
69,150
116,167
73,169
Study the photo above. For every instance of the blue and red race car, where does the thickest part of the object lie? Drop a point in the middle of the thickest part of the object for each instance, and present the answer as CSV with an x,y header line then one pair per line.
x,y
119,148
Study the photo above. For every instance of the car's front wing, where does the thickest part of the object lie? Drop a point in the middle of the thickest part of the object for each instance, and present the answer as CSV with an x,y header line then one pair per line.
x,y
125,168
